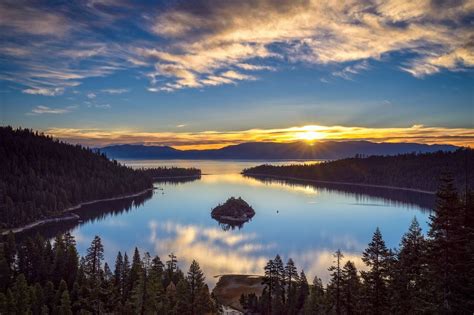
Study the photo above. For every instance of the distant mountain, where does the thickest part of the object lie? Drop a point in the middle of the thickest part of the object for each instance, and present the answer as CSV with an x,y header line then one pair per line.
x,y
274,151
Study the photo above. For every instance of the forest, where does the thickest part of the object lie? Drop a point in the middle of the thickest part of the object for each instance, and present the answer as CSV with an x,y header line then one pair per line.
x,y
432,274
42,176
415,170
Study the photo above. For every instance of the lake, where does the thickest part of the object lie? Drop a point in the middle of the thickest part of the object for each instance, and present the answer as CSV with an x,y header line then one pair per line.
x,y
306,222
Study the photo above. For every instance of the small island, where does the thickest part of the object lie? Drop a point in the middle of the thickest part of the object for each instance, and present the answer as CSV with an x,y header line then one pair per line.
x,y
234,210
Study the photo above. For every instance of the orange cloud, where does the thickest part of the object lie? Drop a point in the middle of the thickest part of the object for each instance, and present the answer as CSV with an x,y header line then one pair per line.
x,y
311,133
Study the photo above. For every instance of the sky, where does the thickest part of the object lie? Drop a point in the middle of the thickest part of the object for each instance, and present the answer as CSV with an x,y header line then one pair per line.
x,y
209,73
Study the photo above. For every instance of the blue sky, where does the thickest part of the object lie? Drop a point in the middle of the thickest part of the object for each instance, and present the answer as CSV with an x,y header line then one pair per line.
x,y
209,73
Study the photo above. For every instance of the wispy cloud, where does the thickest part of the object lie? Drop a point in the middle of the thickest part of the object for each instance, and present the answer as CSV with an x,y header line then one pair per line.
x,y
195,44
115,91
44,91
216,139
41,109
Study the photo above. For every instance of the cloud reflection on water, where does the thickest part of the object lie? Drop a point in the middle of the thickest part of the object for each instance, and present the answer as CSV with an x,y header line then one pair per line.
x,y
235,252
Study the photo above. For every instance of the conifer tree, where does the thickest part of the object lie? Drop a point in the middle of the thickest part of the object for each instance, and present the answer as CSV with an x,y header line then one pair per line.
x,y
335,283
94,258
20,295
315,304
291,275
65,304
377,258
182,298
136,269
269,281
350,289
446,251
278,306
195,280
303,291
409,287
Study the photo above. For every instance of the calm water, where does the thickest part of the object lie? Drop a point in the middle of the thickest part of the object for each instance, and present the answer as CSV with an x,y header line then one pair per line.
x,y
312,221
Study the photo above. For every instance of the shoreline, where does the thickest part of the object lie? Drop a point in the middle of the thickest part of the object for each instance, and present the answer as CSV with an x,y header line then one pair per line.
x,y
176,177
340,183
66,216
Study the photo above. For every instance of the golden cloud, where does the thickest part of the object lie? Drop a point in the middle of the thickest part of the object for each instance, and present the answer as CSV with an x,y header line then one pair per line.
x,y
311,133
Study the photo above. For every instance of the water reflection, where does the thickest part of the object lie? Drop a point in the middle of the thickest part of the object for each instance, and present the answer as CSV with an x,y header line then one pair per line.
x,y
90,214
364,195
311,223
229,225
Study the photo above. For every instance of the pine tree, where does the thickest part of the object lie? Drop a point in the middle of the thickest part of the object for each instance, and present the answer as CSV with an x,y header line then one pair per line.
x,y
350,289
65,304
376,257
171,267
446,252
335,283
291,275
409,288
302,292
155,300
20,294
316,302
94,258
118,275
269,280
182,298
195,280
126,287
278,306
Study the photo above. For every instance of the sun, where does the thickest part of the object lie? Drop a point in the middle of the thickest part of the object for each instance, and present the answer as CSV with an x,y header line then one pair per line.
x,y
310,135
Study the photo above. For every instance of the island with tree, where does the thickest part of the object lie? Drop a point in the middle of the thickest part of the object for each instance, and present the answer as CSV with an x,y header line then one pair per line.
x,y
234,210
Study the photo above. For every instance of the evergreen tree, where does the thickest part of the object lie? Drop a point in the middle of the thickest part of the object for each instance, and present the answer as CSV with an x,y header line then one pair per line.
x,y
21,295
316,302
334,287
350,289
377,258
182,298
94,258
65,304
171,267
409,288
291,275
303,291
278,303
195,280
446,250
269,281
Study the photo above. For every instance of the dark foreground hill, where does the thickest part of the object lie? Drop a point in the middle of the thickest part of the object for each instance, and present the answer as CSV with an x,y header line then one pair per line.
x,y
414,171
40,177
273,151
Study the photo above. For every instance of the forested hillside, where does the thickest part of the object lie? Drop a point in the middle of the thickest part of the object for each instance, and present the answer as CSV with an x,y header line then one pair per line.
x,y
41,177
430,274
415,171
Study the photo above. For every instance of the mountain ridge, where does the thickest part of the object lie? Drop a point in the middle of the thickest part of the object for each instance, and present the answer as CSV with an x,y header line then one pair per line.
x,y
273,150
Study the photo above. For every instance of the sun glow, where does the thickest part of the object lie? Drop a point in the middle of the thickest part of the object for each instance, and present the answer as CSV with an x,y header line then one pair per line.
x,y
310,133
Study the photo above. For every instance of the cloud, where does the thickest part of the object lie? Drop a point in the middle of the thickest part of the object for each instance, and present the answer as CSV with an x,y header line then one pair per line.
x,y
44,91
91,95
209,36
115,91
348,72
18,17
192,44
216,139
41,109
